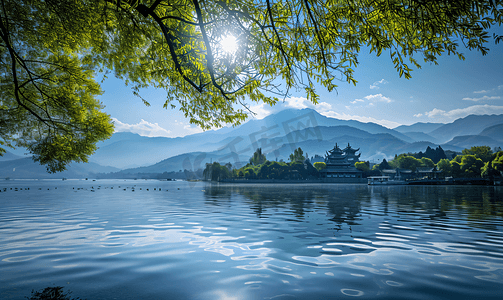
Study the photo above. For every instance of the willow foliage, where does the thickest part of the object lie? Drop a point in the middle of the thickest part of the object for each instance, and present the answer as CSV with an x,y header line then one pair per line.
x,y
50,51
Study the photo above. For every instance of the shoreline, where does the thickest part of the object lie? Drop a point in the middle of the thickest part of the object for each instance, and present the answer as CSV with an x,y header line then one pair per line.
x,y
454,181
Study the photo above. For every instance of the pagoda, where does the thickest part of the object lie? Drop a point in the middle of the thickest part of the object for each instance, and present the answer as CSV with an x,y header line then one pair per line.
x,y
341,163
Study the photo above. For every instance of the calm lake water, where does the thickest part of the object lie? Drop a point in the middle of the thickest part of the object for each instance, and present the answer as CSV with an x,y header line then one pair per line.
x,y
102,240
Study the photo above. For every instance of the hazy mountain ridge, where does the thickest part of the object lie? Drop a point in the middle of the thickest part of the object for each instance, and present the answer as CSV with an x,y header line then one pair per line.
x,y
132,150
278,135
277,144
126,150
495,132
467,141
26,168
421,137
373,147
418,127
9,156
470,125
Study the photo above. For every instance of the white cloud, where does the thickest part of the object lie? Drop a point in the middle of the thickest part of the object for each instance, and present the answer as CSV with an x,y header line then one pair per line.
x,y
263,110
375,85
343,116
191,130
482,98
373,99
480,92
302,102
296,102
378,98
435,112
418,115
323,106
143,128
463,112
475,110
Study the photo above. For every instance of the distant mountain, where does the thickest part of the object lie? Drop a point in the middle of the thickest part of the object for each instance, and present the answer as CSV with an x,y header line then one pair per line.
x,y
312,140
467,141
421,137
9,156
494,132
184,162
126,150
380,144
289,120
491,136
278,135
129,150
418,127
421,146
470,125
26,168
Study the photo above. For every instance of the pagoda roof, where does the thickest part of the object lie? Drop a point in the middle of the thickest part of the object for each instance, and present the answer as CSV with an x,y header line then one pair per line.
x,y
340,157
336,150
350,149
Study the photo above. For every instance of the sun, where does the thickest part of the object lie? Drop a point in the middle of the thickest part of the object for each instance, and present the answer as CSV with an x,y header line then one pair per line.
x,y
229,44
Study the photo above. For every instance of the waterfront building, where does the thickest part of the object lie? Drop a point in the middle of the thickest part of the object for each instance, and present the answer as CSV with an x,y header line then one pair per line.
x,y
428,173
405,174
341,163
398,174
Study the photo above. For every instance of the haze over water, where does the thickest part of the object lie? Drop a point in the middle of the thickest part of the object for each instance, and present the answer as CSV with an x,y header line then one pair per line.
x,y
102,240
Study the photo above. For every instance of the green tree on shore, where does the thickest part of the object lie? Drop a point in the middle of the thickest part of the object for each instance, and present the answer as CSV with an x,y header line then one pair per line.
x,y
297,155
427,163
319,165
404,161
258,158
497,162
471,166
384,165
483,152
494,167
434,154
362,166
216,172
445,166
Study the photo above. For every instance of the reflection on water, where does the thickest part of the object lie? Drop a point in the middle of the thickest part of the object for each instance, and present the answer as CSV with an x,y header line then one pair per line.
x,y
172,240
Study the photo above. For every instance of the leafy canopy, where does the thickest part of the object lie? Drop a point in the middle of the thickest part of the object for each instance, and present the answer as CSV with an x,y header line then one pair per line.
x,y
258,157
320,165
362,166
482,152
298,156
50,51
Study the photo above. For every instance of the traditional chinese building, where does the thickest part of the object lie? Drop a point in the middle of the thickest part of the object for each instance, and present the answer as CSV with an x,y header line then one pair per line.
x,y
341,163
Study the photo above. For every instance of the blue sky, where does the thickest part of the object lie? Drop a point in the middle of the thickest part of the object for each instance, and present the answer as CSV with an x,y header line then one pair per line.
x,y
435,93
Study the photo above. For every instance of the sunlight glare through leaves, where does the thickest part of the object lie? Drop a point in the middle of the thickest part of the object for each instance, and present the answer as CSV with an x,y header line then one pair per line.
x,y
229,44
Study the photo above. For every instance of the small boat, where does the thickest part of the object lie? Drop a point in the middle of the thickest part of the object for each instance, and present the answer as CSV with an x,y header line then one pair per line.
x,y
384,180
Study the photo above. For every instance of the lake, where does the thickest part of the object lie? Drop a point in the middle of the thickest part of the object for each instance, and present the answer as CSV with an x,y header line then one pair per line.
x,y
138,239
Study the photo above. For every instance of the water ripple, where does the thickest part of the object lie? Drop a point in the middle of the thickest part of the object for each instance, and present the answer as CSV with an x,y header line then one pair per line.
x,y
251,242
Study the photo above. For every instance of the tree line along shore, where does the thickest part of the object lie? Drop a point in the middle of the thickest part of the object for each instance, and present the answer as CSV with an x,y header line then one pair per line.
x,y
474,163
